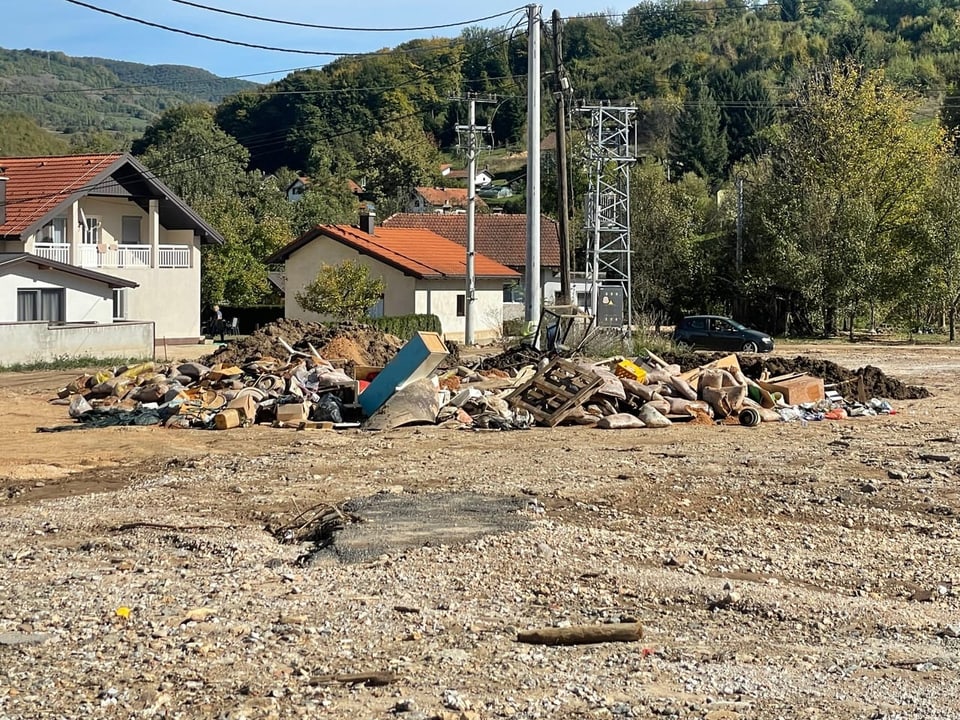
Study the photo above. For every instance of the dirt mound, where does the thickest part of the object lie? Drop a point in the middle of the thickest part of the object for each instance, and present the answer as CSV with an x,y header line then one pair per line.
x,y
354,343
876,383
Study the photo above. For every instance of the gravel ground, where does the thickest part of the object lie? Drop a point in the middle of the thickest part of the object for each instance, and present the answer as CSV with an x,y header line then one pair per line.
x,y
783,571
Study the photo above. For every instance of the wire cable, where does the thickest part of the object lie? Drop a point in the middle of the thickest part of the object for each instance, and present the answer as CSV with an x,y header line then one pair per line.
x,y
226,41
293,23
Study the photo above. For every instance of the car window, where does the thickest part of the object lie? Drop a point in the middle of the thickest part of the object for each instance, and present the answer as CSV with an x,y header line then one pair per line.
x,y
696,323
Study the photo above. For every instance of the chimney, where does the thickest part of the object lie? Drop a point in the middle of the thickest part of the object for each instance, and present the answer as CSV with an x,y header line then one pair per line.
x,y
3,197
368,221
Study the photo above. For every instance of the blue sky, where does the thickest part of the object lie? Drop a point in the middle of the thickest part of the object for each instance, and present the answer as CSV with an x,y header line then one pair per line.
x,y
74,30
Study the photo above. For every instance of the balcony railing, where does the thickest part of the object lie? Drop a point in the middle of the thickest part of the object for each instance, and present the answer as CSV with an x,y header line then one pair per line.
x,y
58,252
116,256
173,256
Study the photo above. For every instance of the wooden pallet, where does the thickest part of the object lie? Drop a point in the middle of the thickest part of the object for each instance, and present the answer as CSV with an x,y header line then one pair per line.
x,y
555,391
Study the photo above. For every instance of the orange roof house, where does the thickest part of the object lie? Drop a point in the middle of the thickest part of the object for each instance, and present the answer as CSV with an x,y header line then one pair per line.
x,y
423,273
110,214
441,200
501,237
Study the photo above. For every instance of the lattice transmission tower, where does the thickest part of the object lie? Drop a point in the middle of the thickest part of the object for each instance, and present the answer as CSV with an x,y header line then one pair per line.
x,y
610,154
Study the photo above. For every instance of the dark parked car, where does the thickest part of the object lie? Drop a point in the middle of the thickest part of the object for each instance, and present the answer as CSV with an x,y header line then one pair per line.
x,y
712,332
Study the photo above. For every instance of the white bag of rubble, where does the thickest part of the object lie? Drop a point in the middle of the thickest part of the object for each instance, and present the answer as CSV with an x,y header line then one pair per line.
x,y
653,418
621,421
78,406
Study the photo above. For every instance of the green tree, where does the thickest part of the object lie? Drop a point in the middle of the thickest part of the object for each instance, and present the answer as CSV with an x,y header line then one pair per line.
x,y
698,139
397,158
847,185
345,291
939,260
191,154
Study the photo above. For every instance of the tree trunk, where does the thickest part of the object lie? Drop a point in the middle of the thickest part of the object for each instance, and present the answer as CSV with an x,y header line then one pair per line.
x,y
953,323
853,316
830,320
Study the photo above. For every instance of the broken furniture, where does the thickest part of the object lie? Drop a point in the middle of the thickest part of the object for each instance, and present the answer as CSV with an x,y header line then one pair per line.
x,y
555,391
416,360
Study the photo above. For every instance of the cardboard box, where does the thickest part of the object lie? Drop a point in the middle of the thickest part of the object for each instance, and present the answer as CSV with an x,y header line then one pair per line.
x,y
246,405
366,372
293,412
796,389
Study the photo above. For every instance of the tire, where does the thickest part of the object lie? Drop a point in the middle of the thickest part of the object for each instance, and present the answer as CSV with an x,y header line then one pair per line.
x,y
750,347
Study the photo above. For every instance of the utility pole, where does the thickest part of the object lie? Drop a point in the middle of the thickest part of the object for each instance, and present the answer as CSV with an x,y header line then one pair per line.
x,y
533,289
738,253
561,88
473,149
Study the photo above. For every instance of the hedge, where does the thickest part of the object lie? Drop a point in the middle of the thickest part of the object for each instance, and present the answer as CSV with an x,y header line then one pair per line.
x,y
406,326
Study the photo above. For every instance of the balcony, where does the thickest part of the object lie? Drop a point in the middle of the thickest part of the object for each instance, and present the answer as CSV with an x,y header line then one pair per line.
x,y
116,256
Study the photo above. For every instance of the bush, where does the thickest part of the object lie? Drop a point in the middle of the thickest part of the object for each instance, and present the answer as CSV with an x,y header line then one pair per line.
x,y
406,326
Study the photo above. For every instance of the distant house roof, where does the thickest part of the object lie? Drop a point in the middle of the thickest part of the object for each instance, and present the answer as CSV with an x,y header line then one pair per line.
x,y
10,260
39,189
354,187
446,197
462,174
501,237
415,252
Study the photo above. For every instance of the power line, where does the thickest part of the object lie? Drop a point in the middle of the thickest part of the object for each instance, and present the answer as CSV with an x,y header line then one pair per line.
x,y
418,28
226,41
279,135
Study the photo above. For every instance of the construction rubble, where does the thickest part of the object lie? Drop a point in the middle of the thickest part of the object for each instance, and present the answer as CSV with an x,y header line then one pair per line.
x,y
300,387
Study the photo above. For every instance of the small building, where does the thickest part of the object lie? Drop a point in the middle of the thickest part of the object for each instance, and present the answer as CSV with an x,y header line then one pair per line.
x,y
481,178
49,309
424,273
110,214
441,201
500,237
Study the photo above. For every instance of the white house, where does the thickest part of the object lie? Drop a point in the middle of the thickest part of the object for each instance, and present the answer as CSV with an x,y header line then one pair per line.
x,y
49,309
502,238
110,214
423,273
481,178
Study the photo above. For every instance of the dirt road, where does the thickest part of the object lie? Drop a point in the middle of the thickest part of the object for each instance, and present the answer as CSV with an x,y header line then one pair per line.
x,y
779,571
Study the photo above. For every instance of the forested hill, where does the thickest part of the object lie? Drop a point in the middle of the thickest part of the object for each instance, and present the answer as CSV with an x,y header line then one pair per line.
x,y
85,94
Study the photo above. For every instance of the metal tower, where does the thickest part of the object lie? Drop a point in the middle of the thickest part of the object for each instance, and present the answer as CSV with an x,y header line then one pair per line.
x,y
610,154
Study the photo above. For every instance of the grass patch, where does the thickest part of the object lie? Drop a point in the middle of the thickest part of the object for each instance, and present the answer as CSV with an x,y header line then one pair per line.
x,y
70,363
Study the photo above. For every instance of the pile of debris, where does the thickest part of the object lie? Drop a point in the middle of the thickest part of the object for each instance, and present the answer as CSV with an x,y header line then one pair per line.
x,y
301,387
346,344
651,392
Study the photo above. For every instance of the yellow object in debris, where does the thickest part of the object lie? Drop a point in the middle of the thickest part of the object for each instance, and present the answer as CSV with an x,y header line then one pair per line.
x,y
102,377
123,612
135,370
628,369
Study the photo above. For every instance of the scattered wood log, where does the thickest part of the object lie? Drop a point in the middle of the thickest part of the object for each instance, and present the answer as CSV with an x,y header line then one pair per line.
x,y
582,634
372,679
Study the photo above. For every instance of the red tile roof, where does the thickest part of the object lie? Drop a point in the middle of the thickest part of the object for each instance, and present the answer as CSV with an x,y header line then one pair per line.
x,y
416,252
501,237
454,197
38,188
37,185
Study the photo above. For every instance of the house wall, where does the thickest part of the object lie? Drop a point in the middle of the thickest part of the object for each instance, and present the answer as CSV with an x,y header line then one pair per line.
x,y
40,342
439,297
86,300
170,297
304,264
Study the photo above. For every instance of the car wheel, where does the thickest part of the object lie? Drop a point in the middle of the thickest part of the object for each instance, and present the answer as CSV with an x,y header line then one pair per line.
x,y
750,347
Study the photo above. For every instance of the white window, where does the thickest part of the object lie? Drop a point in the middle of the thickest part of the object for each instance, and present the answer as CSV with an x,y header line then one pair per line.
x,y
120,303
91,231
42,304
54,232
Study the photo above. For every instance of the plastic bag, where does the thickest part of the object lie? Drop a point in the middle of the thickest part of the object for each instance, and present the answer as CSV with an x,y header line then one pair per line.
x,y
327,408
